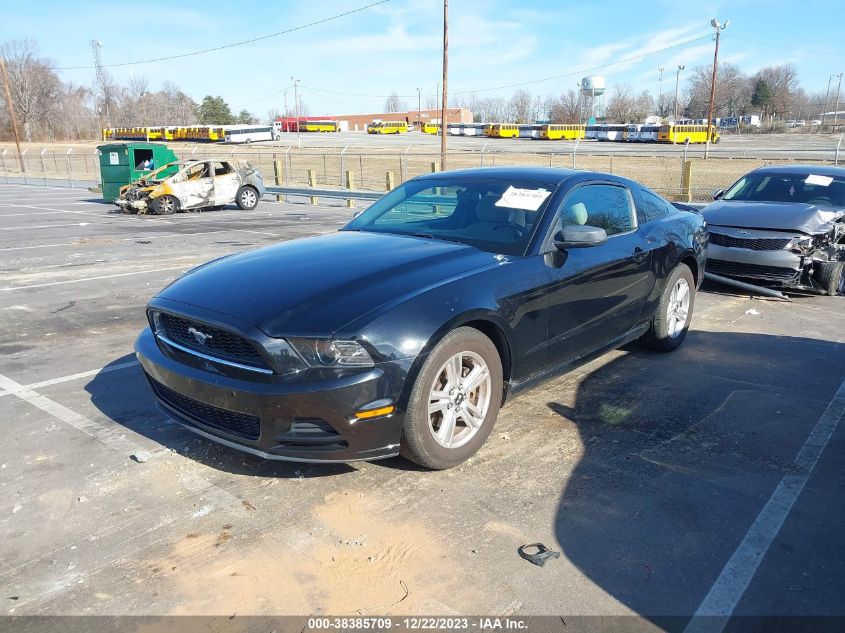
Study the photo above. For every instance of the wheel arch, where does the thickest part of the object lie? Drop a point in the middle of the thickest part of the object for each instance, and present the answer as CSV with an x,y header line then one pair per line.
x,y
490,324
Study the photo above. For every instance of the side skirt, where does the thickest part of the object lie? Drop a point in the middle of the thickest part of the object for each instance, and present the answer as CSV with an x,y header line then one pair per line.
x,y
512,389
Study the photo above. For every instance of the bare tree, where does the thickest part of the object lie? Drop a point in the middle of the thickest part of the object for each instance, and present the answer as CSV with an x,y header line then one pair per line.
x,y
621,105
733,91
783,82
35,88
565,109
642,107
394,104
520,106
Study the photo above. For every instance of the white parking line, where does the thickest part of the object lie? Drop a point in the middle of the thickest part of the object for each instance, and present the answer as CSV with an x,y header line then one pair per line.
x,y
715,610
41,226
109,437
80,280
123,239
82,374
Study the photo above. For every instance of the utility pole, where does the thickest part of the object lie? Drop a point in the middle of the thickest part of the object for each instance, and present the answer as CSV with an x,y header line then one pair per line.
x,y
719,27
102,79
296,109
677,81
445,85
10,106
836,107
419,108
826,96
660,69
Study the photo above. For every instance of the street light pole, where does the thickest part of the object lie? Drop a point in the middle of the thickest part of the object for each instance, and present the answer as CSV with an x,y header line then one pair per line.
x,y
660,69
677,81
444,102
296,109
836,107
719,27
826,96
419,108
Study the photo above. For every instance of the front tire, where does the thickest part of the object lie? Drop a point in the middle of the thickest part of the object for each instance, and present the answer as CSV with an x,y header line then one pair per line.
x,y
454,401
831,277
246,198
674,312
165,205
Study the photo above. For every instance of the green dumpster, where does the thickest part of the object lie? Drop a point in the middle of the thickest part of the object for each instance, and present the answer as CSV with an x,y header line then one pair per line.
x,y
122,163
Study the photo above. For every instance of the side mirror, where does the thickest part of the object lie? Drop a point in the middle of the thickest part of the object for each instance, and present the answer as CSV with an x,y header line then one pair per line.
x,y
578,236
718,194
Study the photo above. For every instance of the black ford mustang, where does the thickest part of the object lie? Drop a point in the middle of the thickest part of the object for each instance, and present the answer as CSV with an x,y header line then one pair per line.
x,y
405,331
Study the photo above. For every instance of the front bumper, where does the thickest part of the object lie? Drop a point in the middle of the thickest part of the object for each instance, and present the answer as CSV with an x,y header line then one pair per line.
x,y
137,205
274,419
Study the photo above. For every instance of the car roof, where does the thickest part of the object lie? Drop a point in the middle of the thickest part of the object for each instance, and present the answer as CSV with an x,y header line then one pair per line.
x,y
821,170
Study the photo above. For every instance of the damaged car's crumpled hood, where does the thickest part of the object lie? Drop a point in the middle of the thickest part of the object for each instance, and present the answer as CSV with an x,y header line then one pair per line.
x,y
781,216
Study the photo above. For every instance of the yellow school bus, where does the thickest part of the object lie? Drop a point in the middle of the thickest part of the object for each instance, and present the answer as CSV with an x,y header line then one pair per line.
x,y
387,127
155,133
216,133
318,126
568,132
681,133
501,130
431,128
173,133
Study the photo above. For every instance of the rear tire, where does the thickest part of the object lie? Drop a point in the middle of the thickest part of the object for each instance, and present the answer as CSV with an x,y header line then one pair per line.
x,y
165,205
454,401
831,277
246,198
674,312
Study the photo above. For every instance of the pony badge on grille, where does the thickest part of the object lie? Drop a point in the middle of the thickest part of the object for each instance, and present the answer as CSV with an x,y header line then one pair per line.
x,y
201,337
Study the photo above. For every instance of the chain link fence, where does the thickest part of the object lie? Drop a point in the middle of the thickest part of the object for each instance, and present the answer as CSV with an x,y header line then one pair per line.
x,y
676,172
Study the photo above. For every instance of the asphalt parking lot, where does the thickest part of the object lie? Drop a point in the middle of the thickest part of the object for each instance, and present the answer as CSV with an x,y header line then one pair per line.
x,y
670,483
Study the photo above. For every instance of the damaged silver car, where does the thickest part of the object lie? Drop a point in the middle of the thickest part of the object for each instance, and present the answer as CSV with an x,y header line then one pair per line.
x,y
194,185
782,227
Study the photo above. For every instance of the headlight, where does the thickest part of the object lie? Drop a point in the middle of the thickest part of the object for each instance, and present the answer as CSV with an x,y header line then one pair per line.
x,y
800,244
331,353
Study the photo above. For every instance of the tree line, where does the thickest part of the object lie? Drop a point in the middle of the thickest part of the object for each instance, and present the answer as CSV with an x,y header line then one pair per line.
x,y
47,108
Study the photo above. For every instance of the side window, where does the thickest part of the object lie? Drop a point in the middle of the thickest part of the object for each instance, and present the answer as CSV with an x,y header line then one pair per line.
x,y
653,207
604,206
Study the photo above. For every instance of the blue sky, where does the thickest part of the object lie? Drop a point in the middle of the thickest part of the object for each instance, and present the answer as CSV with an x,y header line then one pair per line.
x,y
396,46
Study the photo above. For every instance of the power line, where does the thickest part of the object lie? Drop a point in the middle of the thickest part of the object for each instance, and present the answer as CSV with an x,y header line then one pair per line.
x,y
527,83
791,48
233,44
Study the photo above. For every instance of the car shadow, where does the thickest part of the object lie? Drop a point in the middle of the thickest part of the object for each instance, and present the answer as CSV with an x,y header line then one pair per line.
x,y
124,396
680,453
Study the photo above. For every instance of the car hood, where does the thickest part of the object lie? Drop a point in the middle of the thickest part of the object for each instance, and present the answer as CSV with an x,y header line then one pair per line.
x,y
781,216
314,286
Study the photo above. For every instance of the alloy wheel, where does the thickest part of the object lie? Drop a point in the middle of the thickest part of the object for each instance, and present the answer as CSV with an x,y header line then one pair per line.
x,y
677,310
248,198
459,399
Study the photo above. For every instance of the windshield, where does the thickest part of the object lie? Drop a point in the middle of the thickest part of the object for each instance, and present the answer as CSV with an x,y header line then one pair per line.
x,y
497,216
823,191
162,172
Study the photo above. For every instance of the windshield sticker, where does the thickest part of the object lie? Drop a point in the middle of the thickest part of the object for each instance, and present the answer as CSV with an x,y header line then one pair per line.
x,y
524,199
813,179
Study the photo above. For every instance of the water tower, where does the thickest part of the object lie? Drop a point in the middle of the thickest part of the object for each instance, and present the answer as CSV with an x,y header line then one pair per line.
x,y
592,87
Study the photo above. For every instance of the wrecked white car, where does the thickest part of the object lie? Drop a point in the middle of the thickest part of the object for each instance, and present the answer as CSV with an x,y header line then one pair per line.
x,y
194,185
782,227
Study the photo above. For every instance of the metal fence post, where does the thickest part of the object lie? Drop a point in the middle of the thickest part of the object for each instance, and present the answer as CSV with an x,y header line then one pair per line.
x,y
836,155
575,150
402,164
43,167
342,152
483,147
287,168
23,162
193,151
69,167
6,173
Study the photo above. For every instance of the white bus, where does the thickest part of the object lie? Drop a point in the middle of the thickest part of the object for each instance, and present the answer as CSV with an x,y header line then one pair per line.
x,y
247,133
613,132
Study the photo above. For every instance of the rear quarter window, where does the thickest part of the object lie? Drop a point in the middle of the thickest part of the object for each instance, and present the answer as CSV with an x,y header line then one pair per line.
x,y
653,207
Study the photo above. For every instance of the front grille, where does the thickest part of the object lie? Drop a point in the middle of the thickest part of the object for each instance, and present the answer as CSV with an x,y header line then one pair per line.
x,y
240,424
737,269
218,343
759,244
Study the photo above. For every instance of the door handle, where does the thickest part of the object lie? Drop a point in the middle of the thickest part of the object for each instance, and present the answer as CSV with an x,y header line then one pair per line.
x,y
640,255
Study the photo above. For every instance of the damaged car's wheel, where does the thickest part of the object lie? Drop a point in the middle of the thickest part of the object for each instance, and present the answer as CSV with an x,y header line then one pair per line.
x,y
831,277
674,311
246,198
165,205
